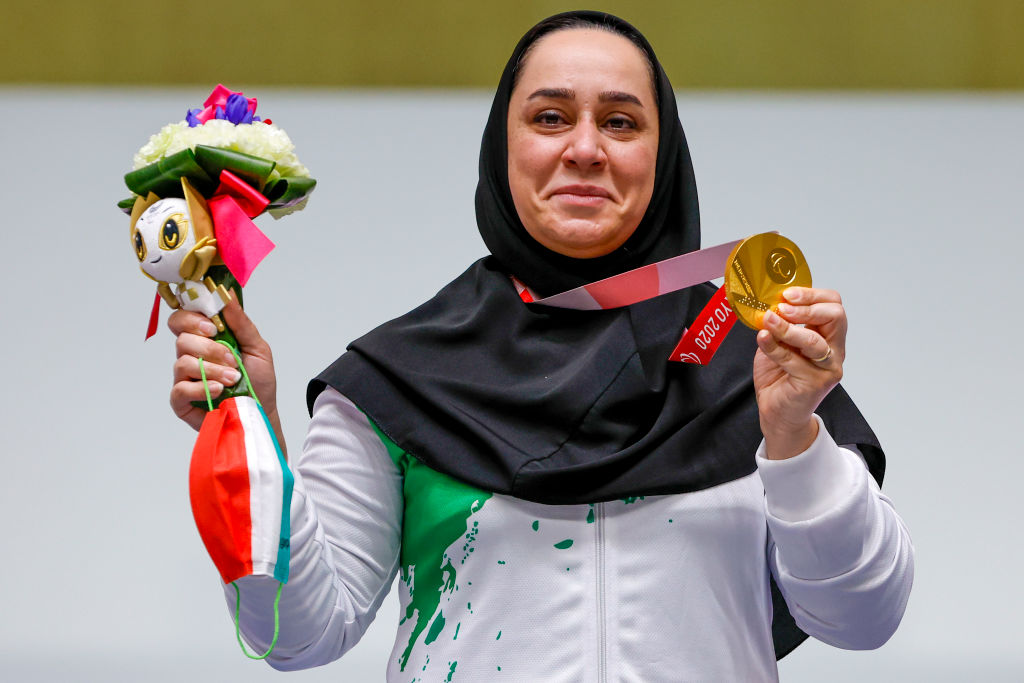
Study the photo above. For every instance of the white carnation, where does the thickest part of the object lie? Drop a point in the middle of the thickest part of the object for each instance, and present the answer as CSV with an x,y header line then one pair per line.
x,y
259,139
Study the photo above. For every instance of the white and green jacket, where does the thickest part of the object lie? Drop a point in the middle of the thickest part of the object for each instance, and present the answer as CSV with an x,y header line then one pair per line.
x,y
655,588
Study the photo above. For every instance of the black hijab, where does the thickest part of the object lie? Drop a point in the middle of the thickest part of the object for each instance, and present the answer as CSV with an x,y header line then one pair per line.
x,y
561,406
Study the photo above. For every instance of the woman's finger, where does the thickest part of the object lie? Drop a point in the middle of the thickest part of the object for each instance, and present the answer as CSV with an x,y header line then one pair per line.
x,y
189,321
804,341
184,393
189,344
186,368
787,359
804,296
813,314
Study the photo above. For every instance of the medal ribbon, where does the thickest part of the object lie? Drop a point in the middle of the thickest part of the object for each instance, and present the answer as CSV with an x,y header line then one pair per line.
x,y
646,282
700,341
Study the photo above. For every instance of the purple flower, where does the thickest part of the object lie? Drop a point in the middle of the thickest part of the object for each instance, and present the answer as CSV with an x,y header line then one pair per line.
x,y
237,109
191,117
226,105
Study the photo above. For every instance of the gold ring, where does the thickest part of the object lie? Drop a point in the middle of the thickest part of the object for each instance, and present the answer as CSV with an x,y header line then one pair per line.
x,y
828,354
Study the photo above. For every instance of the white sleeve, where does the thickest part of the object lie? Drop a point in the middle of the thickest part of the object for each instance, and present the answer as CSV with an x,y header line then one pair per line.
x,y
346,526
840,554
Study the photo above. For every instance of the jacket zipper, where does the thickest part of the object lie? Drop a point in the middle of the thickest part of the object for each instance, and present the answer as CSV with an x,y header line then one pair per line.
x,y
602,638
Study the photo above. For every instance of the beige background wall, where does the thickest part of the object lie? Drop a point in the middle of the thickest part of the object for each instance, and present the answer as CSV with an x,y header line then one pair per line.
x,y
795,44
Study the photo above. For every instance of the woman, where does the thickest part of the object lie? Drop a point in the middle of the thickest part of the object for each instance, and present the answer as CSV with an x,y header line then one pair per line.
x,y
564,504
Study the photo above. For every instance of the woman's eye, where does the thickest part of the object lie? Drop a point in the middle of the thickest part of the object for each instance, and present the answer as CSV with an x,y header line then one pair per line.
x,y
620,123
139,244
173,232
548,118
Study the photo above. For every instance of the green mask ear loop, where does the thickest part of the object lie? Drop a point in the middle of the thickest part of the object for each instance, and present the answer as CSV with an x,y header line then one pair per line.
x,y
206,387
245,375
277,622
238,593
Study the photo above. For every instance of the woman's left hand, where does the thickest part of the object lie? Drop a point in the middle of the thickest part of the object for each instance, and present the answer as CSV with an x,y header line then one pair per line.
x,y
796,367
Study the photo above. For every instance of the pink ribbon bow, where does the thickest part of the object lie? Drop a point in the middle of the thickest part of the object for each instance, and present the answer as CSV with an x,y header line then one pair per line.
x,y
240,243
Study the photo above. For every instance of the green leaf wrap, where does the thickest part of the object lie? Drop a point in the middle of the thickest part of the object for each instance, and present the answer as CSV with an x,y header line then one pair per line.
x,y
288,191
203,166
253,170
163,178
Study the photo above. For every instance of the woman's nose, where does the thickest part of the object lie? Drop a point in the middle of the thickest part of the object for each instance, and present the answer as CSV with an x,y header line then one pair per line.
x,y
584,147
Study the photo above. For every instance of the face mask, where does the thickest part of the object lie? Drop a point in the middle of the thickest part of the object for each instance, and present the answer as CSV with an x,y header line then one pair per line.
x,y
241,489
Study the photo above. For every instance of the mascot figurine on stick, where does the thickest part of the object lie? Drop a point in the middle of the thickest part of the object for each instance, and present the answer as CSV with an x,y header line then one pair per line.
x,y
196,187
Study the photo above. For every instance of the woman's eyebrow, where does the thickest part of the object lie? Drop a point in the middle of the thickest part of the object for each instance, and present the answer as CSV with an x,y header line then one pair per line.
x,y
618,96
554,93
569,94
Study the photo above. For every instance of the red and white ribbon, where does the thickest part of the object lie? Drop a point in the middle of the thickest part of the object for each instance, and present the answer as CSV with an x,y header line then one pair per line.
x,y
700,340
646,282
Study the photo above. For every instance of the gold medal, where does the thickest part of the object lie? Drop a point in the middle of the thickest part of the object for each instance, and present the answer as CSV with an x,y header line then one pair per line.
x,y
759,269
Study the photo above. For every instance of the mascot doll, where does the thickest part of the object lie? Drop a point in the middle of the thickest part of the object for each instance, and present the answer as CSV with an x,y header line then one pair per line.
x,y
174,242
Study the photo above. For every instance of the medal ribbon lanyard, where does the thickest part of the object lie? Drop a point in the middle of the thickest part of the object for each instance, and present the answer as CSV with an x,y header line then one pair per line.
x,y
699,341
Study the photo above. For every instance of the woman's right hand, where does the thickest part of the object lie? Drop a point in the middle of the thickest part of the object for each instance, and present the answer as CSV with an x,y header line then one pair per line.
x,y
194,332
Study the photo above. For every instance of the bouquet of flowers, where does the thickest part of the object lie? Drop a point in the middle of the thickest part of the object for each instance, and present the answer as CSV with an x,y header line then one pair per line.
x,y
197,184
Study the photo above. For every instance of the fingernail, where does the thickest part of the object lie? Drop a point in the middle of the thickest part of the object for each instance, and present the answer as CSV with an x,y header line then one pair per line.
x,y
229,360
791,294
207,328
770,318
232,376
215,388
786,309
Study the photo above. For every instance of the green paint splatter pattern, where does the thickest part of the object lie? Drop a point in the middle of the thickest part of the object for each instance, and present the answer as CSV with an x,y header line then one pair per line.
x,y
437,512
470,537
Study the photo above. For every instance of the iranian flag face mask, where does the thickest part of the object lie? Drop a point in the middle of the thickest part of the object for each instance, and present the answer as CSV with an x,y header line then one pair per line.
x,y
241,489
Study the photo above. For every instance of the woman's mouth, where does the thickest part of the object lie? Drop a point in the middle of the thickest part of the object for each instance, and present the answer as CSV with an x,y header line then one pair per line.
x,y
581,195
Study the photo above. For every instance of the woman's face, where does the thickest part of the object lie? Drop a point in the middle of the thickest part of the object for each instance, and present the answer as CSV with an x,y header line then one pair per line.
x,y
582,141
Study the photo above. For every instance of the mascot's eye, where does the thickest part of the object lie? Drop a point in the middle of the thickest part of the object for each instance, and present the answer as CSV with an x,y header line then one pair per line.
x,y
169,236
140,245
173,232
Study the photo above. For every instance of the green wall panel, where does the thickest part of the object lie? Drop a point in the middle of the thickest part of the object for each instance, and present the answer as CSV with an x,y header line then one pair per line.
x,y
863,44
